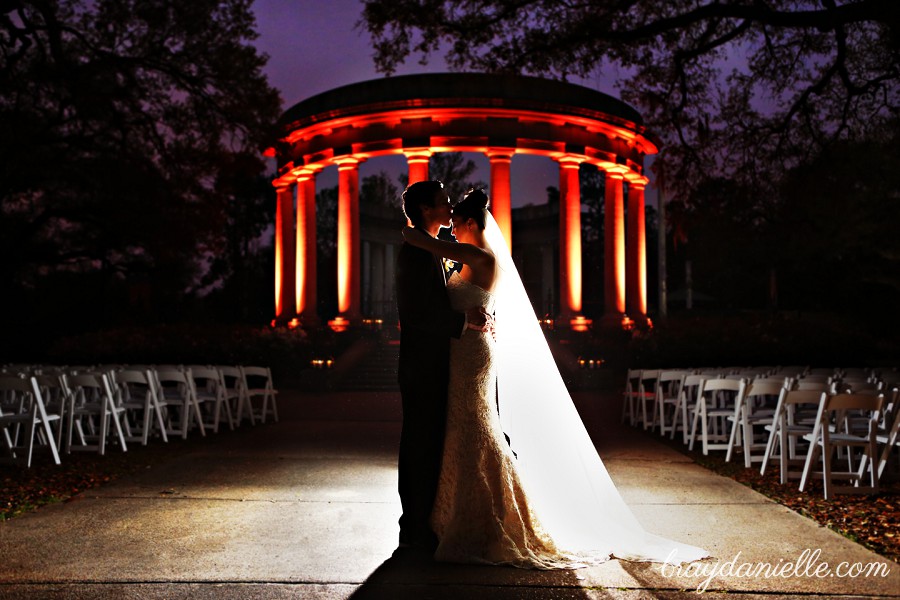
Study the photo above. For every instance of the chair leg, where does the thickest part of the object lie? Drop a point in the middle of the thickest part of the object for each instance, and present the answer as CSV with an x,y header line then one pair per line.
x,y
812,456
826,475
196,406
104,430
159,419
31,430
733,436
694,422
770,447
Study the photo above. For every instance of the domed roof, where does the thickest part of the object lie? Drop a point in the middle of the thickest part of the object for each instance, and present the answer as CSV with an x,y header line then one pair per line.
x,y
471,90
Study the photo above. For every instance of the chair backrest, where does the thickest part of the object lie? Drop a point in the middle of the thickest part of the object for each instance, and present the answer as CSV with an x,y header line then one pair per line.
x,y
856,373
205,374
782,380
764,388
20,395
261,377
649,376
133,376
89,386
171,376
811,386
854,402
854,384
820,372
13,383
52,389
692,380
792,371
672,376
836,409
132,381
804,396
232,380
85,380
729,385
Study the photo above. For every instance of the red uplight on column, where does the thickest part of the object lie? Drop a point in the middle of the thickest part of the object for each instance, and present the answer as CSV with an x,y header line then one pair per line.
x,y
570,236
279,251
302,232
418,165
283,224
636,293
501,200
348,237
614,230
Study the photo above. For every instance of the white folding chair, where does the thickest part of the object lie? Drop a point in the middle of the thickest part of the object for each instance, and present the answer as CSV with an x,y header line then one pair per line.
x,y
258,384
668,390
235,391
210,389
629,397
21,406
789,425
716,399
174,387
756,409
137,395
687,400
647,396
93,410
56,402
888,429
832,430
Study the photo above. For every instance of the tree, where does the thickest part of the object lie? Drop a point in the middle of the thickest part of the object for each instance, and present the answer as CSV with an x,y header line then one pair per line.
x,y
735,89
120,119
455,171
836,231
379,190
239,261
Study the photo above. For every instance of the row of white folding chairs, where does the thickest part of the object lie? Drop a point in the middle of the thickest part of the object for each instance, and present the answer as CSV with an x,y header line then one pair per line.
x,y
725,409
93,406
650,395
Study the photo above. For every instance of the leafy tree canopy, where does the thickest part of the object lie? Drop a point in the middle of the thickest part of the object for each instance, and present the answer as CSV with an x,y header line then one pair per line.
x,y
735,88
123,122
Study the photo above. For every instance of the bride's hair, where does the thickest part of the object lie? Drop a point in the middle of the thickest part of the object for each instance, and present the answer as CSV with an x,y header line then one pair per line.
x,y
473,205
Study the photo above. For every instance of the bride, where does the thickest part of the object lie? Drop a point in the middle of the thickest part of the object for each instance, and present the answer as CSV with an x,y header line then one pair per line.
x,y
548,501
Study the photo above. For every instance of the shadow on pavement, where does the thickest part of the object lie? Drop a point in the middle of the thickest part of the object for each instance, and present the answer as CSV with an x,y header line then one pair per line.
x,y
413,574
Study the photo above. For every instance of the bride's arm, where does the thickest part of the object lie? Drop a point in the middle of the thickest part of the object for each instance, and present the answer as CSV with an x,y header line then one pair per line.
x,y
468,254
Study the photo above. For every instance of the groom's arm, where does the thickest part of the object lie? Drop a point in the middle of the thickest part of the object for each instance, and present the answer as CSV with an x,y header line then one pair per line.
x,y
421,299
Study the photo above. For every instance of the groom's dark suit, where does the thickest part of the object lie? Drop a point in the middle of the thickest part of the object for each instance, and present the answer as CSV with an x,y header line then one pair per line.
x,y
426,325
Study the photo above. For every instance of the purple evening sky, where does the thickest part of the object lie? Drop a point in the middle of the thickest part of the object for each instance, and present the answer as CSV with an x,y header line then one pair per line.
x,y
314,46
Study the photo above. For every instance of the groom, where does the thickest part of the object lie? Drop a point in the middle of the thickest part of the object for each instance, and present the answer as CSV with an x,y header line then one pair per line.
x,y
427,322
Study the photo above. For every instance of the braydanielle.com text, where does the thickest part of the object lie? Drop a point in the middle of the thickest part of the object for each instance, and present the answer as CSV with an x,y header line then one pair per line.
x,y
806,565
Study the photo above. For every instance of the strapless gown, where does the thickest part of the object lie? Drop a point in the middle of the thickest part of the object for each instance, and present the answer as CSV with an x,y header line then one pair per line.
x,y
482,513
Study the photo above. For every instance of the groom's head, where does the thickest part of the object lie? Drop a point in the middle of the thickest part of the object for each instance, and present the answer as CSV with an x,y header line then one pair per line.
x,y
426,202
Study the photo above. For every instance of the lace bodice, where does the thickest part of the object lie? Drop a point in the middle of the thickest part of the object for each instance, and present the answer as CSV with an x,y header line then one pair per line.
x,y
464,295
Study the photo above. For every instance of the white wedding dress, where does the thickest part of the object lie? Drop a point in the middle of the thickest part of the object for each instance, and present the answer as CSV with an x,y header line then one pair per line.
x,y
552,503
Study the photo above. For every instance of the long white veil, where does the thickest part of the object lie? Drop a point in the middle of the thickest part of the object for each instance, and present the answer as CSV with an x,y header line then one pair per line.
x,y
570,489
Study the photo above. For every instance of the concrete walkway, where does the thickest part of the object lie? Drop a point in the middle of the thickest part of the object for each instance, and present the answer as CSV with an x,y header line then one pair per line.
x,y
307,508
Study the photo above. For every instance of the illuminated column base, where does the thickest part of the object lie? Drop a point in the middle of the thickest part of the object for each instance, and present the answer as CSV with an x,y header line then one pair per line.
x,y
580,323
